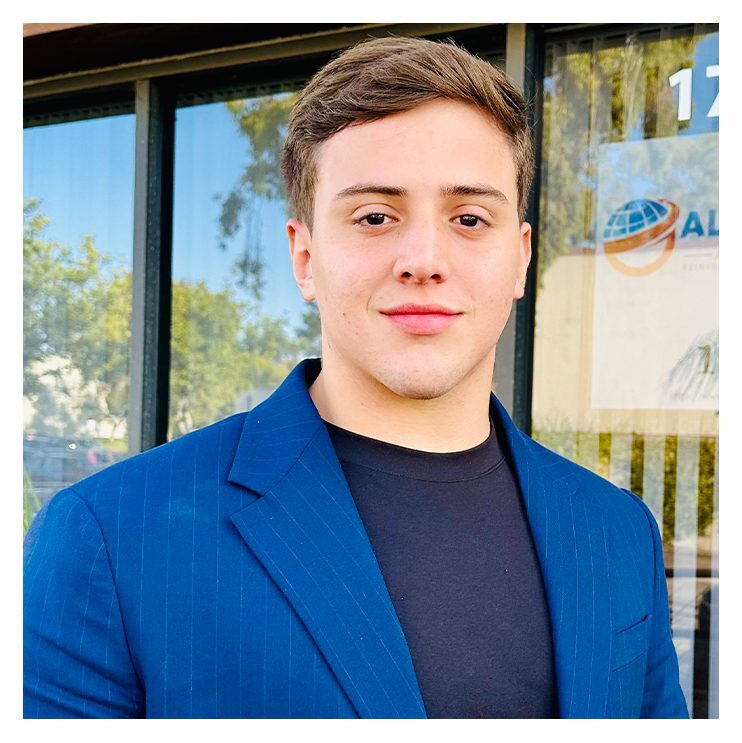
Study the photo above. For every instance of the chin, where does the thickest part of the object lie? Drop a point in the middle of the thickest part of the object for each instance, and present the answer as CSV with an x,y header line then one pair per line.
x,y
427,384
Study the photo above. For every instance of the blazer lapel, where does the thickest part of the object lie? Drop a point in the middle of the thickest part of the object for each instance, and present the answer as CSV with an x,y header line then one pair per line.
x,y
569,532
307,533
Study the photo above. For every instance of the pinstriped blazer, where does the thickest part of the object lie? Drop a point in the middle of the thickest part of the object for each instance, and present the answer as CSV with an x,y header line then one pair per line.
x,y
228,574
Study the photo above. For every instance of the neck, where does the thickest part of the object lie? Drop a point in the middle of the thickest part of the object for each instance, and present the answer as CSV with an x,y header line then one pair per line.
x,y
455,421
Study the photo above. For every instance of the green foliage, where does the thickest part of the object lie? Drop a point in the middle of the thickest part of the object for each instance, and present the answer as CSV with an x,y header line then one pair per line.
x,y
310,331
675,470
77,309
263,121
31,501
205,360
221,348
595,95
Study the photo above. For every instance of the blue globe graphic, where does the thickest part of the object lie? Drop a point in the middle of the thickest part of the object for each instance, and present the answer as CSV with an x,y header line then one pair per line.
x,y
634,217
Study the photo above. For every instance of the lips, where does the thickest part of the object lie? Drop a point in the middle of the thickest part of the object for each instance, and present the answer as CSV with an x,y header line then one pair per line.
x,y
422,319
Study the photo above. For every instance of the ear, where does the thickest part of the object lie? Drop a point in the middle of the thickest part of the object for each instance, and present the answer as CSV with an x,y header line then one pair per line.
x,y
300,246
524,258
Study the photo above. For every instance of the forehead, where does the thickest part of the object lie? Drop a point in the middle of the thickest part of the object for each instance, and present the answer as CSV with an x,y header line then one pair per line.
x,y
439,142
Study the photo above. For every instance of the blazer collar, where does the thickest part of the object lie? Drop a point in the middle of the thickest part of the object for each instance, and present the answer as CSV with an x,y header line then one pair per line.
x,y
307,533
277,431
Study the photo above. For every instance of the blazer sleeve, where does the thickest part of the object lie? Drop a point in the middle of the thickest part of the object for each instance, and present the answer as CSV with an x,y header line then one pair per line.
x,y
663,696
76,661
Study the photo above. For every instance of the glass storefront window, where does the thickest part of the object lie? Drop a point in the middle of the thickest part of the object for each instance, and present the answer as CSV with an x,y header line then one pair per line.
x,y
78,210
239,323
626,337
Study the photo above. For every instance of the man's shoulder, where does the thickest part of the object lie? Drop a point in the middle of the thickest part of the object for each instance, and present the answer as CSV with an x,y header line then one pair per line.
x,y
572,477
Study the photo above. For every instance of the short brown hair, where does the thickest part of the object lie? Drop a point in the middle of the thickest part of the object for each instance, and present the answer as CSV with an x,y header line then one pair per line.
x,y
389,75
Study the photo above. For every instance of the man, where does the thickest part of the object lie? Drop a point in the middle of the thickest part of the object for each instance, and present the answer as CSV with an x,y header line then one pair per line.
x,y
377,539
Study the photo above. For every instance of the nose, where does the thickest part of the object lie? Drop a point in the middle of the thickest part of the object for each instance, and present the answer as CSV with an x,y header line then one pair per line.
x,y
423,255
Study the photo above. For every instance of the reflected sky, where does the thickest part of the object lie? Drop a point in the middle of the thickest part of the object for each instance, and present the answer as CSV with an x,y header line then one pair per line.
x,y
210,157
83,172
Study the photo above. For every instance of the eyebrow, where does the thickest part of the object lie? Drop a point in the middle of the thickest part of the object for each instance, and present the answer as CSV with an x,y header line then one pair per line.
x,y
362,188
476,189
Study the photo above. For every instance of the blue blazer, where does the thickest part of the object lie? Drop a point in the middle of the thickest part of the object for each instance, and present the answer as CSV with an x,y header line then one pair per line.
x,y
228,574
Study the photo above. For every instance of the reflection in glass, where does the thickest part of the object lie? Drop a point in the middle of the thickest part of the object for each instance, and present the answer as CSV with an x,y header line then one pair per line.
x,y
626,337
77,257
239,323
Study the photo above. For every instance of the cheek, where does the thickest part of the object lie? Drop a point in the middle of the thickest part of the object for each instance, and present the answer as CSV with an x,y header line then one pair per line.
x,y
347,285
496,304
342,302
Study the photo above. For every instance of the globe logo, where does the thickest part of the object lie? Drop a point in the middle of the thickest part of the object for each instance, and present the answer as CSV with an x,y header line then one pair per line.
x,y
640,235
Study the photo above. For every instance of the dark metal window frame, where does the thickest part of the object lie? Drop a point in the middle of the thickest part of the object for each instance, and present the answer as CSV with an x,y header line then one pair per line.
x,y
525,309
152,265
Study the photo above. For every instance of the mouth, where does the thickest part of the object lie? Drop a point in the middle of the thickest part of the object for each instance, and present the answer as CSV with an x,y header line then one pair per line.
x,y
422,319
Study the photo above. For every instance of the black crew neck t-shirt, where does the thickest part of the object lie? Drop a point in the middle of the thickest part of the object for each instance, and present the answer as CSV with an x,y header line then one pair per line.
x,y
452,541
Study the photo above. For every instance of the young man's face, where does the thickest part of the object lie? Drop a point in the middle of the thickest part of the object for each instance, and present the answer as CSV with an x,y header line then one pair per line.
x,y
416,251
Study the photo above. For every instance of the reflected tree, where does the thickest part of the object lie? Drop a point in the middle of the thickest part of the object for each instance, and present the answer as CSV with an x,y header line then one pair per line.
x,y
76,341
76,309
599,92
263,122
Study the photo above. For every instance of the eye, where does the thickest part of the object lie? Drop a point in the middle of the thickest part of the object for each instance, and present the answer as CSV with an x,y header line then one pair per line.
x,y
375,219
470,220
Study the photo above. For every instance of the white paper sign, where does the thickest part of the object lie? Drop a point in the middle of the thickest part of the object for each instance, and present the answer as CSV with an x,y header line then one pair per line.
x,y
656,314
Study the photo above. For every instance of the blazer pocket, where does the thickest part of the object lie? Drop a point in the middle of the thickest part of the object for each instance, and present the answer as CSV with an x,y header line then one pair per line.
x,y
630,643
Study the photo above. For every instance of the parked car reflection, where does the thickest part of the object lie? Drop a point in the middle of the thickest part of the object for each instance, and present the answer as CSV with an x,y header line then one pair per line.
x,y
52,462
